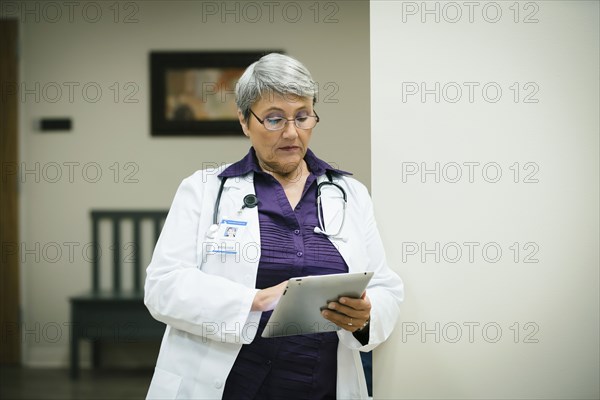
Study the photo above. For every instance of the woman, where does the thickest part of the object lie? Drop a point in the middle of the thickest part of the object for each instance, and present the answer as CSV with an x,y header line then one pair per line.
x,y
215,294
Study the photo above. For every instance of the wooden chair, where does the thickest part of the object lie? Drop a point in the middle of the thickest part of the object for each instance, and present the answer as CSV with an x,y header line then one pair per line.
x,y
117,314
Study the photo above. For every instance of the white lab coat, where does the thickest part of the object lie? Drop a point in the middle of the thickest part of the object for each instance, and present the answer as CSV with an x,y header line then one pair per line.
x,y
205,299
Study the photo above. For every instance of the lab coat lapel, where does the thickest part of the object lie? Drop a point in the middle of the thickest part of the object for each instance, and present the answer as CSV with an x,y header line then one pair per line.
x,y
332,205
333,215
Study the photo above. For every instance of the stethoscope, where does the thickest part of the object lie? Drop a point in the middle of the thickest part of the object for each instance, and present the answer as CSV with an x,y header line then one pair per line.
x,y
251,201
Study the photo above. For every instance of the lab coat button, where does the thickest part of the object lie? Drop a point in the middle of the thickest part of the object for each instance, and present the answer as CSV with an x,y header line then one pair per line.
x,y
218,384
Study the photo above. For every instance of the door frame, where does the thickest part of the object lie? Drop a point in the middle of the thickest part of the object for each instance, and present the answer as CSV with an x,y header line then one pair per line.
x,y
10,324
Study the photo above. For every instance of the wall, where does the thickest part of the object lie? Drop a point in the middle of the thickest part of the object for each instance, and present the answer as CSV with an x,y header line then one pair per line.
x,y
500,260
66,47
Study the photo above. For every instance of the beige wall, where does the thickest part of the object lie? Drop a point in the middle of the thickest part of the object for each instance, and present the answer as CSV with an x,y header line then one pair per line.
x,y
335,48
523,323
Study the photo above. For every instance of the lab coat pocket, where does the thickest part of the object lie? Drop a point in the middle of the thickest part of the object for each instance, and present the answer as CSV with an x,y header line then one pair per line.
x,y
165,385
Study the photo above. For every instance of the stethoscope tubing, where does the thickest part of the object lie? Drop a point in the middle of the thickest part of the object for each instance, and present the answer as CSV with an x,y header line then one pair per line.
x,y
251,201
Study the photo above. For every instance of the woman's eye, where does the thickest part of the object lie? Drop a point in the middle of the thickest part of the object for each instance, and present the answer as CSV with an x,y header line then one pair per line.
x,y
301,118
274,121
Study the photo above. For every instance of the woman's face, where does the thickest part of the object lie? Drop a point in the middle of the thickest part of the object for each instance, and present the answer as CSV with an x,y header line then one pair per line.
x,y
281,151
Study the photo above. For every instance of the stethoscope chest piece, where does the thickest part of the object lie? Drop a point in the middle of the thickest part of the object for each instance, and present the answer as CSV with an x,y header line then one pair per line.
x,y
250,201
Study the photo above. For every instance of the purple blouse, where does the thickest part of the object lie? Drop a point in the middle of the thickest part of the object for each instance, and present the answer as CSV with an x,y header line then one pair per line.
x,y
292,367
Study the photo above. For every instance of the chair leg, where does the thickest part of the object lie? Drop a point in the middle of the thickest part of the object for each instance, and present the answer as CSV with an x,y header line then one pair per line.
x,y
96,358
74,367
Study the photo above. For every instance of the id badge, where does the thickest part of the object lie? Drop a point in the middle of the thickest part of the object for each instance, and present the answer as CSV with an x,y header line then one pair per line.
x,y
231,229
228,236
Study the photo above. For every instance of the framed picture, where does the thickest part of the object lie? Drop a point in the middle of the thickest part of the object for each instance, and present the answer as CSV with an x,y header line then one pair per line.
x,y
193,93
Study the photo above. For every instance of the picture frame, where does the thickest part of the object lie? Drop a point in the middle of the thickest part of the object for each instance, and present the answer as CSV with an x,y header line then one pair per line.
x,y
192,93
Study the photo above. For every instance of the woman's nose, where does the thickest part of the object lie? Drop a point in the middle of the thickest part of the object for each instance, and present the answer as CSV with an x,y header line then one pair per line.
x,y
290,130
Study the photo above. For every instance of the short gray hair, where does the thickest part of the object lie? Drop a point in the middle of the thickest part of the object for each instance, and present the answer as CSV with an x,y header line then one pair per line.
x,y
273,74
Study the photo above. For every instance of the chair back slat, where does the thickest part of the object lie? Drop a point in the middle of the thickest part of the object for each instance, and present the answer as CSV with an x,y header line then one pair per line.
x,y
137,246
115,218
156,229
95,256
116,249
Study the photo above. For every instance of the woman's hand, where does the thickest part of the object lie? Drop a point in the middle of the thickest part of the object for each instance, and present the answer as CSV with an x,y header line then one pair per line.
x,y
267,299
348,313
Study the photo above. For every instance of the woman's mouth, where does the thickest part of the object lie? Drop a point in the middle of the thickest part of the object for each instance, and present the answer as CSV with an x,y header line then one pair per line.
x,y
289,148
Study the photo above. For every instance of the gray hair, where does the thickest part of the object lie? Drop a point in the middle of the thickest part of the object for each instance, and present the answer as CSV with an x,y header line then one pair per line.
x,y
273,74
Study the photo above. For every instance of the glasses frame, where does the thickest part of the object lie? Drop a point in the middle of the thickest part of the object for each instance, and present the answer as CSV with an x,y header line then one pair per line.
x,y
262,121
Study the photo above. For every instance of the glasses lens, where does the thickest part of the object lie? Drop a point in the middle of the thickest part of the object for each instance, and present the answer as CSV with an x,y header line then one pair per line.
x,y
306,122
274,124
277,123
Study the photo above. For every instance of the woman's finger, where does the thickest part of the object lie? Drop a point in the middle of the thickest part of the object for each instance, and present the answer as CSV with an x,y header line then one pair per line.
x,y
348,311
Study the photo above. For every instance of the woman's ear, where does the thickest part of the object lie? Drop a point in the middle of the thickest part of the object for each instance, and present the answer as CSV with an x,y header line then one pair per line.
x,y
243,123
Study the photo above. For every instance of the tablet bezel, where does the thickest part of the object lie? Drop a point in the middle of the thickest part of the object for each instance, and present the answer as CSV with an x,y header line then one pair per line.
x,y
299,309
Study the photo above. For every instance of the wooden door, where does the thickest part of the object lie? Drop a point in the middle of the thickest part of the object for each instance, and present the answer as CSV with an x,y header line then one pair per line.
x,y
10,344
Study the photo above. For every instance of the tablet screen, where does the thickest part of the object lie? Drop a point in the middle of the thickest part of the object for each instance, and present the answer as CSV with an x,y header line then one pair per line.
x,y
299,309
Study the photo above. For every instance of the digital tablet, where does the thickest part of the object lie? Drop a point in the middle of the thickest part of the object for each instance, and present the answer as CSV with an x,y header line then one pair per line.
x,y
299,309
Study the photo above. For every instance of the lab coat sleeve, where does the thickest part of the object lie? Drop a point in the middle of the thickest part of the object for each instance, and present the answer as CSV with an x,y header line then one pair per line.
x,y
179,294
385,290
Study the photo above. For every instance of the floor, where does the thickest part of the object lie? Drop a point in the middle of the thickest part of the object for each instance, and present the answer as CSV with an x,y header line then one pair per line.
x,y
103,383
38,383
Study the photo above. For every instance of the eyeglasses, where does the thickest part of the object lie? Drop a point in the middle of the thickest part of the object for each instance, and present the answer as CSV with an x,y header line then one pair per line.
x,y
278,123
